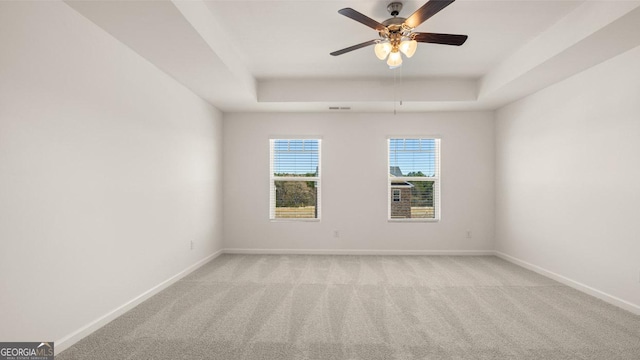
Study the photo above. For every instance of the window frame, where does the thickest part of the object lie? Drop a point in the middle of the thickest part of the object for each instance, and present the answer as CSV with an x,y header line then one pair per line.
x,y
437,180
273,179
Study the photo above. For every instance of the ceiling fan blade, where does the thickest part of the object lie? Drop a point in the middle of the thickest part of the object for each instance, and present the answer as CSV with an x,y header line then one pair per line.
x,y
350,13
426,11
354,47
444,39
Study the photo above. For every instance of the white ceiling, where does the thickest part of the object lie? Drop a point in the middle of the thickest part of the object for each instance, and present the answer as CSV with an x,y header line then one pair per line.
x,y
293,39
265,55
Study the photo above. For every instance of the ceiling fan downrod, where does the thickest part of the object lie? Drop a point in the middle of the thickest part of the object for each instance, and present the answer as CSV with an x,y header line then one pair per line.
x,y
394,8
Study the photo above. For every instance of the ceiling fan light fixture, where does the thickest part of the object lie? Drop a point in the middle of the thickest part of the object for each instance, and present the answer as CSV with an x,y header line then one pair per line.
x,y
382,50
408,47
395,59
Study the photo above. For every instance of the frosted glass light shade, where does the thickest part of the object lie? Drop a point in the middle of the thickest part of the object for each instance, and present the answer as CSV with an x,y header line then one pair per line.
x,y
395,59
382,50
408,47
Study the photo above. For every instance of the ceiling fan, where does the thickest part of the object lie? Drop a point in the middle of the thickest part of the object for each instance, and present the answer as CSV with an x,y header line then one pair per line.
x,y
396,33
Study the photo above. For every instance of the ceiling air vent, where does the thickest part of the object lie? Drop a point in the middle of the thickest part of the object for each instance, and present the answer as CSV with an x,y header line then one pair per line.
x,y
339,107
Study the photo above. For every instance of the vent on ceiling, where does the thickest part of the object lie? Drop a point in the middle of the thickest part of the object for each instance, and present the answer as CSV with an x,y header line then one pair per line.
x,y
339,107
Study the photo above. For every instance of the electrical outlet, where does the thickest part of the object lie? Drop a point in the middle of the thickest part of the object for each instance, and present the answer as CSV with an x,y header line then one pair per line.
x,y
468,234
191,245
336,233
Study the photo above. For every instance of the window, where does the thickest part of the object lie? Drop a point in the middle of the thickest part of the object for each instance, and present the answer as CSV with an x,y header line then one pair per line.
x,y
396,194
295,179
414,179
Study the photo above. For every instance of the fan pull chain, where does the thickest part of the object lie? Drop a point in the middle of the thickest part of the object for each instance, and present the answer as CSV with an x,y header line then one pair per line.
x,y
394,91
396,98
401,77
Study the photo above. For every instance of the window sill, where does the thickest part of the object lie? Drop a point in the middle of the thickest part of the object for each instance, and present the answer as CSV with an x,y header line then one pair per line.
x,y
413,220
294,220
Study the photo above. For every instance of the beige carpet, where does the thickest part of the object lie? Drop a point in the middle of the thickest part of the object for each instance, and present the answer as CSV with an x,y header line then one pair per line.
x,y
366,307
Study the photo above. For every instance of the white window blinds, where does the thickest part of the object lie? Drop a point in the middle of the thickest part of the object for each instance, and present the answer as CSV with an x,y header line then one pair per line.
x,y
414,178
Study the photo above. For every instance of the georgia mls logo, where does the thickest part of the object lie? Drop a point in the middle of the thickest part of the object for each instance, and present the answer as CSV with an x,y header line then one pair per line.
x,y
26,351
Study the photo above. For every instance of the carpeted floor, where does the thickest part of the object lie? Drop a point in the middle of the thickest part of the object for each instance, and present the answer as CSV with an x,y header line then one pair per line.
x,y
365,307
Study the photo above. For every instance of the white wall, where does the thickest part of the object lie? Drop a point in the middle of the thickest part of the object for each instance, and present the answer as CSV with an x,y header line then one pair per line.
x,y
354,182
108,169
567,180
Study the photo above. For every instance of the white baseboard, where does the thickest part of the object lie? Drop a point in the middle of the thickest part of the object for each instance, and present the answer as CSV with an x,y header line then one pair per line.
x,y
358,252
572,283
79,334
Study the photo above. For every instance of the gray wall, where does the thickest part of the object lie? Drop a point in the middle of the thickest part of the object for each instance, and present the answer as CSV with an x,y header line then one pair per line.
x,y
567,161
108,170
354,183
